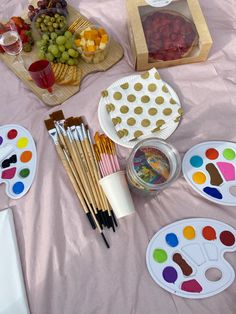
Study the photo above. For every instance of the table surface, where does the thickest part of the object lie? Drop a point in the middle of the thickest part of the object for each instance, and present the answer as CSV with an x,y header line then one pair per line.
x,y
66,267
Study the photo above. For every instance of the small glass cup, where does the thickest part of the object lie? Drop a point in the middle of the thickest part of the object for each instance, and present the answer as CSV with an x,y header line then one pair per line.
x,y
152,166
42,74
11,43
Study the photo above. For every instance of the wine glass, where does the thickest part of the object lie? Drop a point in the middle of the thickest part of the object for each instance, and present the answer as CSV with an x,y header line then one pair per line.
x,y
42,74
11,42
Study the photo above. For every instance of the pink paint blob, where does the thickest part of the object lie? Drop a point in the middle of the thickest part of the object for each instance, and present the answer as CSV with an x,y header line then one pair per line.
x,y
227,170
9,173
191,286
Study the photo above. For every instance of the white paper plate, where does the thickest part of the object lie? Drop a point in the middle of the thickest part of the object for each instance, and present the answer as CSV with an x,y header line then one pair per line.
x,y
109,130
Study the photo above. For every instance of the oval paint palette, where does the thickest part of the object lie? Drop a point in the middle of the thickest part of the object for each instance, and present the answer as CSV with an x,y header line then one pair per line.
x,y
186,258
17,160
210,168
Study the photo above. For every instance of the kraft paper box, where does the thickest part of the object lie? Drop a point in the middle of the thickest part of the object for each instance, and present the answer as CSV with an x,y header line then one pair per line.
x,y
167,36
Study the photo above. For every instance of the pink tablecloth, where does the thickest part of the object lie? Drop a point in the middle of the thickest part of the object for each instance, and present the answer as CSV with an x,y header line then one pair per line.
x,y
66,267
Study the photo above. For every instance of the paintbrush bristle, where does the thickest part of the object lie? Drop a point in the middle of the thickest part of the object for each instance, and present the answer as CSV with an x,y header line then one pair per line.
x,y
79,120
70,121
49,123
57,115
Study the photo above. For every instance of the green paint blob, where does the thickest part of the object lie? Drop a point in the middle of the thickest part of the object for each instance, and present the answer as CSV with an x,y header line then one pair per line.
x,y
24,173
159,255
229,154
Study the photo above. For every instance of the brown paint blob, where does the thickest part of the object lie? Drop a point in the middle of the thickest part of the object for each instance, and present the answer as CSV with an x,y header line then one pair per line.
x,y
216,178
186,269
26,156
227,238
209,233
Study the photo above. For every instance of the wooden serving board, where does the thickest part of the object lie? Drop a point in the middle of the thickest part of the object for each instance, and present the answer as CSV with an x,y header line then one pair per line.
x,y
114,55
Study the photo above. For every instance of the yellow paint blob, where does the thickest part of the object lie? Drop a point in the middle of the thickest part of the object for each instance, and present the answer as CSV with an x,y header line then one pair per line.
x,y
189,232
199,177
22,142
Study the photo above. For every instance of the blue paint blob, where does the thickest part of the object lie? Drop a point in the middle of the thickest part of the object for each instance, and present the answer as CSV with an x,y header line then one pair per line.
x,y
213,192
1,140
18,187
196,161
172,240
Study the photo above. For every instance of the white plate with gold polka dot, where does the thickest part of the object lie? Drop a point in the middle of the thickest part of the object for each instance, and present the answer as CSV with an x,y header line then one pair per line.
x,y
108,127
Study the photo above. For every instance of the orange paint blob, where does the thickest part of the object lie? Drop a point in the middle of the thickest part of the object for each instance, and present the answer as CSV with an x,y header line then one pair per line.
x,y
26,156
209,233
212,153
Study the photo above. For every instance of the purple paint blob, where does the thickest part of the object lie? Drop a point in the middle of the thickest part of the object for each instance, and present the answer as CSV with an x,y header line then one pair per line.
x,y
170,274
1,140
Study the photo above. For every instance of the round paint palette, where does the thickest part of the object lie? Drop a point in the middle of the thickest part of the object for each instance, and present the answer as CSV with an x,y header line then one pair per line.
x,y
17,160
210,168
186,258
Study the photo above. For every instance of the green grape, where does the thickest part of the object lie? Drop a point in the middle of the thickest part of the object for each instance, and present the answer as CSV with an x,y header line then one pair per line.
x,y
61,40
61,60
72,53
68,45
51,29
52,19
76,54
41,55
62,25
70,61
56,15
39,43
53,35
37,25
65,56
45,37
50,48
54,50
49,56
49,23
68,34
76,61
61,48
55,25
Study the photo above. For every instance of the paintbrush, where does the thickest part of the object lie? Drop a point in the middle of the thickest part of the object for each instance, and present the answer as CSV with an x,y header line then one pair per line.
x,y
69,169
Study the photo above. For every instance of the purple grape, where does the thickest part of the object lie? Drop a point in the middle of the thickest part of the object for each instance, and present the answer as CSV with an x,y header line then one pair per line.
x,y
58,5
36,11
30,8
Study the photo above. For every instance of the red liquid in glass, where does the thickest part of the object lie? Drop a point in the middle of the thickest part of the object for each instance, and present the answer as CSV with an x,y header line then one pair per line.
x,y
42,74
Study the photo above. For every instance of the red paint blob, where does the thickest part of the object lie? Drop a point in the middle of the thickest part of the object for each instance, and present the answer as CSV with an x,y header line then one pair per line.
x,y
209,233
191,286
12,134
9,173
227,238
212,153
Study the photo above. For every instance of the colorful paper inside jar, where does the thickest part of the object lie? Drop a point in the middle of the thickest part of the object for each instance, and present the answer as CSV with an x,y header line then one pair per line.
x,y
152,167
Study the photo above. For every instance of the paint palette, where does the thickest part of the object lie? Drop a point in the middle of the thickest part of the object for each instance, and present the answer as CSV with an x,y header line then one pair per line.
x,y
210,168
17,160
186,257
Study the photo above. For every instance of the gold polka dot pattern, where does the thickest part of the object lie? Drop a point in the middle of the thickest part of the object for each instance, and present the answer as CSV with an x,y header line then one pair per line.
x,y
145,75
152,87
159,100
145,99
172,101
124,109
165,89
131,98
125,86
157,76
145,123
167,111
138,86
152,111
131,121
105,93
160,122
138,110
117,96
138,133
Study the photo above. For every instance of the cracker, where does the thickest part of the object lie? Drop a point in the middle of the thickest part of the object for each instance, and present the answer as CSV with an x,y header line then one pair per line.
x,y
68,78
63,73
79,77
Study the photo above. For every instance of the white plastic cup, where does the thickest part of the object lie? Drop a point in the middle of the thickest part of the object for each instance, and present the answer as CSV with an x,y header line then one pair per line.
x,y
118,194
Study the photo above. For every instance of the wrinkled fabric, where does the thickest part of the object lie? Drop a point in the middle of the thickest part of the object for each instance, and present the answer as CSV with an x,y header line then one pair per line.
x,y
66,266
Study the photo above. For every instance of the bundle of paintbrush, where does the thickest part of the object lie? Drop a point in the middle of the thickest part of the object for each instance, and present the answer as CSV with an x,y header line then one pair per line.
x,y
105,151
75,148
